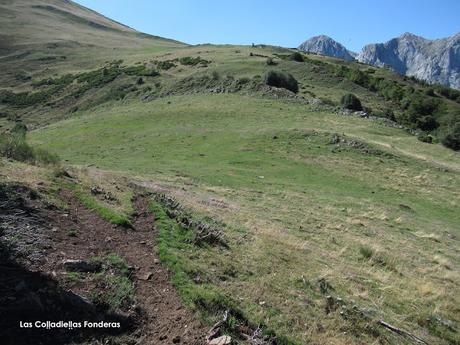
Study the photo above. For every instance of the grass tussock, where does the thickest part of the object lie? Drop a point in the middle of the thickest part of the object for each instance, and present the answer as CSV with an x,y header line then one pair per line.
x,y
104,212
14,146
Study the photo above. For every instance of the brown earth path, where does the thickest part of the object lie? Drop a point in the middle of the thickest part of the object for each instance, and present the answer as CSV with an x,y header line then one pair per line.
x,y
164,320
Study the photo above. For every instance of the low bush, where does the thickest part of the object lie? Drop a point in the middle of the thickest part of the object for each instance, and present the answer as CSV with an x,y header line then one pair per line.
x,y
191,61
281,79
270,62
296,57
425,138
452,138
140,71
366,252
165,65
350,101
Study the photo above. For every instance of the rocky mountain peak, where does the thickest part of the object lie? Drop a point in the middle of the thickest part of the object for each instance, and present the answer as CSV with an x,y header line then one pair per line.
x,y
436,61
325,45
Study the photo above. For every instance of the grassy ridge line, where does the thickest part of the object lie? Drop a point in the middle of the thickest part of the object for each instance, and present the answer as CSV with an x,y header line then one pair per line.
x,y
106,213
205,298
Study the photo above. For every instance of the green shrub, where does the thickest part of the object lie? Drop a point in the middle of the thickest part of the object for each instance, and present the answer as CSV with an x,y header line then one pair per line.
x,y
165,65
296,57
426,123
188,60
350,101
19,129
270,62
140,71
452,138
387,113
423,137
366,252
281,79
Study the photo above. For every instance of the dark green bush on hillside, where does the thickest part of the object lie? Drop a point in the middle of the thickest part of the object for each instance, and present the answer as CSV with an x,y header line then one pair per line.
x,y
452,139
420,113
165,65
296,57
281,79
191,61
19,129
350,101
423,137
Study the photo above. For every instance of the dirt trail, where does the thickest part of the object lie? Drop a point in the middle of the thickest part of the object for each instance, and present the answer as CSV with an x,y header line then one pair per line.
x,y
165,320
159,314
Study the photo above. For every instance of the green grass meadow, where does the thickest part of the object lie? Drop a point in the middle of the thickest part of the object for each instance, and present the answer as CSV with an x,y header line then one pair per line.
x,y
300,209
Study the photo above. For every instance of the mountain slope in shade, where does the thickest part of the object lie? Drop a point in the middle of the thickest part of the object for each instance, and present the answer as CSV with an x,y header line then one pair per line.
x,y
325,45
436,61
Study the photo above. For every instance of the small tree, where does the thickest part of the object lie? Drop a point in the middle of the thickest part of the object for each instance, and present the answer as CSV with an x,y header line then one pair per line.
x,y
281,79
350,101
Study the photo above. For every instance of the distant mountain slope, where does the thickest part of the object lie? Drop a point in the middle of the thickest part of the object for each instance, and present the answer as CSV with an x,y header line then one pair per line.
x,y
62,22
325,45
436,61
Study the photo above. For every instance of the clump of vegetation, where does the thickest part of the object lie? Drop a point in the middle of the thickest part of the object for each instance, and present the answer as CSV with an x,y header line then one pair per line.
x,y
452,138
270,62
296,57
13,145
426,138
420,112
447,92
117,262
281,79
165,65
366,252
193,61
115,290
62,81
73,277
25,99
351,101
215,75
105,212
140,71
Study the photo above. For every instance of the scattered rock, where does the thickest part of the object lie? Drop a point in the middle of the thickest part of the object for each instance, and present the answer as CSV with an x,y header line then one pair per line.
x,y
146,276
223,340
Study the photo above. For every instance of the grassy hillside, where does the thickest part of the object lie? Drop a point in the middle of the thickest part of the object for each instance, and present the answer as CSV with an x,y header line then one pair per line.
x,y
376,216
332,221
46,37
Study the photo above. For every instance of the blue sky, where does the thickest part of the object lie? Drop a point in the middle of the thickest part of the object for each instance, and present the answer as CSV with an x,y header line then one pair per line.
x,y
286,23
